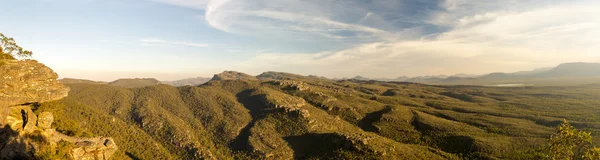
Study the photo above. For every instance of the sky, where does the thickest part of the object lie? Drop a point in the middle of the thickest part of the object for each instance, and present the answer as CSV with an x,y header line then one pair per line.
x,y
176,39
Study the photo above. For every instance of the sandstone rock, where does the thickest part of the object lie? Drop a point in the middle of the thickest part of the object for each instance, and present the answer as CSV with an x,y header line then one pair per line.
x,y
28,81
21,131
94,149
20,118
295,85
45,120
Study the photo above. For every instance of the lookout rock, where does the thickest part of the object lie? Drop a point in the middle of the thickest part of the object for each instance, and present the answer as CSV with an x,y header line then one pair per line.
x,y
22,132
28,81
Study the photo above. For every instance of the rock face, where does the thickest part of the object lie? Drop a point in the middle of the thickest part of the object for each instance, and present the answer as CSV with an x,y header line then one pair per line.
x,y
45,120
233,75
22,132
28,81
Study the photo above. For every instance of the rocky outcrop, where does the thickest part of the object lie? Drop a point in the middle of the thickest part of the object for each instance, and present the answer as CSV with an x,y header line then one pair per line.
x,y
280,101
22,132
293,85
28,81
99,148
233,75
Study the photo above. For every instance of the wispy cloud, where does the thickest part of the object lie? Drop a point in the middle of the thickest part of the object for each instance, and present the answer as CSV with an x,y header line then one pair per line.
x,y
278,18
484,42
160,42
415,37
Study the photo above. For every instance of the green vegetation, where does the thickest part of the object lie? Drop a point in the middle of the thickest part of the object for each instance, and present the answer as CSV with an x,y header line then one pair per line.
x,y
569,143
9,49
134,83
286,116
61,150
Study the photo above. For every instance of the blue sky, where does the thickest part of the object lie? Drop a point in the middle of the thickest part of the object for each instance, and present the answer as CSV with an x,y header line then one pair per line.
x,y
175,39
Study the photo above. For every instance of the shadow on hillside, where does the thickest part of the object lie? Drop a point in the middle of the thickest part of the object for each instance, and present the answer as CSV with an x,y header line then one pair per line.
x,y
317,146
130,155
366,123
255,106
460,96
251,102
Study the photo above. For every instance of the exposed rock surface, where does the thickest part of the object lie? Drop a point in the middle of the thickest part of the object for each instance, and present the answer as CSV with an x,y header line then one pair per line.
x,y
28,81
295,85
233,75
45,120
22,132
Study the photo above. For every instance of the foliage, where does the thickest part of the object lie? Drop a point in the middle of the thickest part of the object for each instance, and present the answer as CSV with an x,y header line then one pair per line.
x,y
570,143
9,49
60,150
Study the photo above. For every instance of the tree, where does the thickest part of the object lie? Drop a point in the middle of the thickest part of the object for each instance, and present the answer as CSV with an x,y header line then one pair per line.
x,y
9,49
570,144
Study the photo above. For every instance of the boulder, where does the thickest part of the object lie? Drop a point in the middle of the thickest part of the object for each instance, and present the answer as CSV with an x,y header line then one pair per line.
x,y
94,149
45,120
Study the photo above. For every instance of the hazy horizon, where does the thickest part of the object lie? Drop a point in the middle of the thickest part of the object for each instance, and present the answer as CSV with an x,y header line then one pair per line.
x,y
178,39
174,76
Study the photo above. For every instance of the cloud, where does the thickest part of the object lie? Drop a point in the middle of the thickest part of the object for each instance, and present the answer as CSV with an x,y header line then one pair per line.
x,y
414,37
280,17
197,4
160,42
353,21
503,41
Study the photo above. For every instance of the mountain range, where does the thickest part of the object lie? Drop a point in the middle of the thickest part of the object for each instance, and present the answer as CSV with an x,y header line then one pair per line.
x,y
563,74
576,73
188,82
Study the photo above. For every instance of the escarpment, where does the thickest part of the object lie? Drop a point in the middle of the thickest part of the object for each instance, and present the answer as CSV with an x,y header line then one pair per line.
x,y
27,135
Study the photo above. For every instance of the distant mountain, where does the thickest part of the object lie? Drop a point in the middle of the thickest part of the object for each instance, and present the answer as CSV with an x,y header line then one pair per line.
x,y
535,71
73,80
573,73
188,82
233,75
573,69
563,74
271,75
361,78
135,82
464,75
424,79
399,79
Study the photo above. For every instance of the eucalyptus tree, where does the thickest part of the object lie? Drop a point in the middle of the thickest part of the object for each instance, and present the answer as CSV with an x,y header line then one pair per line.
x,y
9,49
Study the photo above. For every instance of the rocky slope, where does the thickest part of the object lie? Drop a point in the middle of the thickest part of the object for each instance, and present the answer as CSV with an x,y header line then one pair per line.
x,y
25,135
233,75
